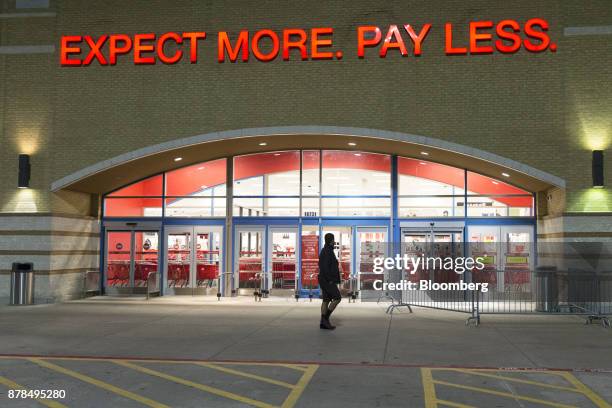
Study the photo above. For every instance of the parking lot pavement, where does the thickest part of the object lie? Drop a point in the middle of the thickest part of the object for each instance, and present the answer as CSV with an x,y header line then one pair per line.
x,y
192,354
102,382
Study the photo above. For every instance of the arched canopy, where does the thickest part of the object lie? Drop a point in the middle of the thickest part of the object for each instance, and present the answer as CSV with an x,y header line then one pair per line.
x,y
113,173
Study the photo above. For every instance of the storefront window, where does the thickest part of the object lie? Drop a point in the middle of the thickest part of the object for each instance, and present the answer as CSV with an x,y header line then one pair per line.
x,y
267,174
333,184
424,178
311,164
133,207
356,174
203,179
356,207
149,187
431,206
428,189
489,197
195,207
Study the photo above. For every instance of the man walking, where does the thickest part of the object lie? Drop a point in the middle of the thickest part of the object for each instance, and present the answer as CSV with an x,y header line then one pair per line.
x,y
329,279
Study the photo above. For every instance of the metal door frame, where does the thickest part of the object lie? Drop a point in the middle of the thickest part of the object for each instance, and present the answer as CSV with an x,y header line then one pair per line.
x,y
132,228
269,248
193,230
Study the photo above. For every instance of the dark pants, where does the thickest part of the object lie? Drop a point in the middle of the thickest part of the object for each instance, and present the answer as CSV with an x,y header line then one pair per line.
x,y
329,290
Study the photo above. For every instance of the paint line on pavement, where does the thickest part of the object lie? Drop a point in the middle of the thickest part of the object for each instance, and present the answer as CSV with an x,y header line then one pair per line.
x,y
46,402
297,391
99,383
247,375
188,383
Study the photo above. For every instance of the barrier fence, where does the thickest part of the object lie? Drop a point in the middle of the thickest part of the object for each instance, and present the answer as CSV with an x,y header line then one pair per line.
x,y
543,291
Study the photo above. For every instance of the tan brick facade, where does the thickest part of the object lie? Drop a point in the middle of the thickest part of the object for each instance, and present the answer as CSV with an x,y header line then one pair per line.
x,y
546,110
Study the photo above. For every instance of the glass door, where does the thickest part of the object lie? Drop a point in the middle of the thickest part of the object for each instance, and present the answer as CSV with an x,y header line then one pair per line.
x,y
146,257
118,261
248,258
484,242
343,249
208,250
131,256
179,257
517,260
193,259
433,244
282,259
371,244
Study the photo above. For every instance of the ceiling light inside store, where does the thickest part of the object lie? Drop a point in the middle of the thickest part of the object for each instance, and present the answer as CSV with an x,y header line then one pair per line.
x,y
352,144
505,175
425,153
178,159
263,144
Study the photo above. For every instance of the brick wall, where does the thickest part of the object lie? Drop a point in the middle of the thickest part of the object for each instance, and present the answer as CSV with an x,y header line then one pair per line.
x,y
544,110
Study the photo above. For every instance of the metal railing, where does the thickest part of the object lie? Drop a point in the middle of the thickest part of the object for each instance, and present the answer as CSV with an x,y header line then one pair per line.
x,y
522,292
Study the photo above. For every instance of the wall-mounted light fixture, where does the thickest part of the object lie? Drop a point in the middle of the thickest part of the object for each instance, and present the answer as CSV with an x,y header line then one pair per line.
x,y
24,171
598,169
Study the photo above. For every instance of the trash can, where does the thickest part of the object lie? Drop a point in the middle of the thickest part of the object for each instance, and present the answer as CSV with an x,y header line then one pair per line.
x,y
547,290
22,284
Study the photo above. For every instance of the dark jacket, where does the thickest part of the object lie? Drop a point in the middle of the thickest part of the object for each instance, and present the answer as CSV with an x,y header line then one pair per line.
x,y
328,265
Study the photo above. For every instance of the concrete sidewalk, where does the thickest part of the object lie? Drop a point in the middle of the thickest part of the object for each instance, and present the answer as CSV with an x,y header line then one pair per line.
x,y
371,359
288,331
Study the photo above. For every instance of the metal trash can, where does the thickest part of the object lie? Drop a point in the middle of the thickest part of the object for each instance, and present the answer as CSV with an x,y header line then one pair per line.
x,y
547,289
22,284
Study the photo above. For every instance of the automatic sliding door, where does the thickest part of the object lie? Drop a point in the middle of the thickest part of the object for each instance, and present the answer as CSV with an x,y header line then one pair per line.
x,y
208,260
179,260
372,243
282,258
343,248
130,257
118,260
146,256
249,260
193,259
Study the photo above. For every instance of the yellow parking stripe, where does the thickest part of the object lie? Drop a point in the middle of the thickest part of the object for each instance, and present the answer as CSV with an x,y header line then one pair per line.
x,y
299,388
429,390
248,375
453,404
503,394
98,383
597,400
202,387
512,379
46,402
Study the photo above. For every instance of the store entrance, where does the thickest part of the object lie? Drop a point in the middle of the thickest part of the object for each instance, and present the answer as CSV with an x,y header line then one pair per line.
x,y
193,260
441,242
266,259
508,255
356,247
132,258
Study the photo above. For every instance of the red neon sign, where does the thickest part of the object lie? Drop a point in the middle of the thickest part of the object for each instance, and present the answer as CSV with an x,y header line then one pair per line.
x,y
483,37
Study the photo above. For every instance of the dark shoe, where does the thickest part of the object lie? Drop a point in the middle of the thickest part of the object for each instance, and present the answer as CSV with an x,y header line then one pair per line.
x,y
326,325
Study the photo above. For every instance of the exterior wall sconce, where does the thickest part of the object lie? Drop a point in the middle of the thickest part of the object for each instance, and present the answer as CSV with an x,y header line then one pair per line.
x,y
24,171
598,169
